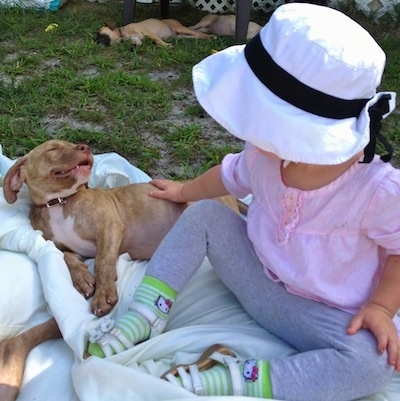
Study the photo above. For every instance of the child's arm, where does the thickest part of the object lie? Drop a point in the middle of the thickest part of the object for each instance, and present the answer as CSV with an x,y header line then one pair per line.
x,y
378,313
206,186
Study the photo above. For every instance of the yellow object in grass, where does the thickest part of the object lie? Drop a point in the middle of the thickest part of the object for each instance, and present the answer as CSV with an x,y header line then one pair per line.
x,y
51,27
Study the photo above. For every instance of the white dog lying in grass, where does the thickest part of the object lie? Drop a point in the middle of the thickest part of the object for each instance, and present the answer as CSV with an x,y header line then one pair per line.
x,y
223,25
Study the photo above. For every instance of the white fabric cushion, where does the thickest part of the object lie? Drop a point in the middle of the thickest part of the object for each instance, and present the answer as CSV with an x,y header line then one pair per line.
x,y
22,304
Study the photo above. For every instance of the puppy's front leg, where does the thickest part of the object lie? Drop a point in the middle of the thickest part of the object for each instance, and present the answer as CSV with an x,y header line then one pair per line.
x,y
136,41
108,242
82,280
196,34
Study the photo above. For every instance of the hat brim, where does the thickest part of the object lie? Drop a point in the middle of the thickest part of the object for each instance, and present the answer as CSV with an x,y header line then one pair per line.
x,y
232,95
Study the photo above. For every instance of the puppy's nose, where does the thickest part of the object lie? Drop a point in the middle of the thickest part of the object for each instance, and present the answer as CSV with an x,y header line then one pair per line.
x,y
82,147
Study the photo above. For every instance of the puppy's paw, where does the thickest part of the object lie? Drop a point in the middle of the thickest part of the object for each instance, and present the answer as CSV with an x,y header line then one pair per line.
x,y
104,300
84,283
82,279
136,41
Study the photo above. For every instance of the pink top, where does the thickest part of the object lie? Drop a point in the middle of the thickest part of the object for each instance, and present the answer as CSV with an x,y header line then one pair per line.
x,y
328,244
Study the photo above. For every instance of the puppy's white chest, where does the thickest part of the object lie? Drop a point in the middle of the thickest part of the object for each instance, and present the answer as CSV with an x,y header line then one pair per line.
x,y
64,232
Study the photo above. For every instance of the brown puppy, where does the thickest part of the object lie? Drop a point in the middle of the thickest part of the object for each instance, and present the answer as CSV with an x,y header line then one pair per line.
x,y
90,222
152,28
86,222
223,25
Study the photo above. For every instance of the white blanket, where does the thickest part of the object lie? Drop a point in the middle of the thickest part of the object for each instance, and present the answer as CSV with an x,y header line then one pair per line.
x,y
34,288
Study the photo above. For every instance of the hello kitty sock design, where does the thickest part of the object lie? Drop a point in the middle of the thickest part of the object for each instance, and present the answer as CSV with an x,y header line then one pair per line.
x,y
147,316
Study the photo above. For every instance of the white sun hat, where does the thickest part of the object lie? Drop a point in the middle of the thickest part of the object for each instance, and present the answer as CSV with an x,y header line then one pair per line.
x,y
303,88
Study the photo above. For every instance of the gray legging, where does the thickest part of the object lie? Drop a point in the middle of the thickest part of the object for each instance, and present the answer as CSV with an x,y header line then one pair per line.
x,y
330,365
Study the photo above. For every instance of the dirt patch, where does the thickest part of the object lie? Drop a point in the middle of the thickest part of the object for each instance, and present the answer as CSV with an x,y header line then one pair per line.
x,y
212,132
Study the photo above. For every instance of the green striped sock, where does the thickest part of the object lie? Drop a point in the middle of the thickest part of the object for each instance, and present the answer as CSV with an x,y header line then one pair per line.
x,y
152,293
216,381
256,379
155,294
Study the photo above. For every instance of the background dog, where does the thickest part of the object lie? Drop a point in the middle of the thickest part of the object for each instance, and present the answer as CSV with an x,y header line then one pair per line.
x,y
223,25
152,28
90,222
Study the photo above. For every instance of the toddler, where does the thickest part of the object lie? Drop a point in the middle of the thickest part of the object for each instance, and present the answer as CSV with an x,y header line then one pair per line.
x,y
317,263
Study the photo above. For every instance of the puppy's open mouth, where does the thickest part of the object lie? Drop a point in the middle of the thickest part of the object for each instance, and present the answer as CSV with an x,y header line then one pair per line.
x,y
65,173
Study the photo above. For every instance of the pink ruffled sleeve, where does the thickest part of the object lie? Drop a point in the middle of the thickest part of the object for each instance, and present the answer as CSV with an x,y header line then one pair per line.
x,y
235,174
381,221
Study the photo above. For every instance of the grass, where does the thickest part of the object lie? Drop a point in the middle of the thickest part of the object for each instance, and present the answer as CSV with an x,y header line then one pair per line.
x,y
137,102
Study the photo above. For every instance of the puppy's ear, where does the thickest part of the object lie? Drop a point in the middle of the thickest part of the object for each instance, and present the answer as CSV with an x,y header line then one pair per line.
x,y
111,25
13,180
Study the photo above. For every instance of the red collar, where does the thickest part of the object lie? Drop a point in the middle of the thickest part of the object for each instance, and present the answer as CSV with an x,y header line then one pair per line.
x,y
52,202
121,35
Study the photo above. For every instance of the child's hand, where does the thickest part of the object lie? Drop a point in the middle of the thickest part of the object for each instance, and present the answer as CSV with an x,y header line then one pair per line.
x,y
378,320
170,190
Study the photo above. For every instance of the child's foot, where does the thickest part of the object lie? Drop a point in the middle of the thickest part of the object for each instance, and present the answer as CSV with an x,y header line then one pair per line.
x,y
109,339
219,372
147,317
